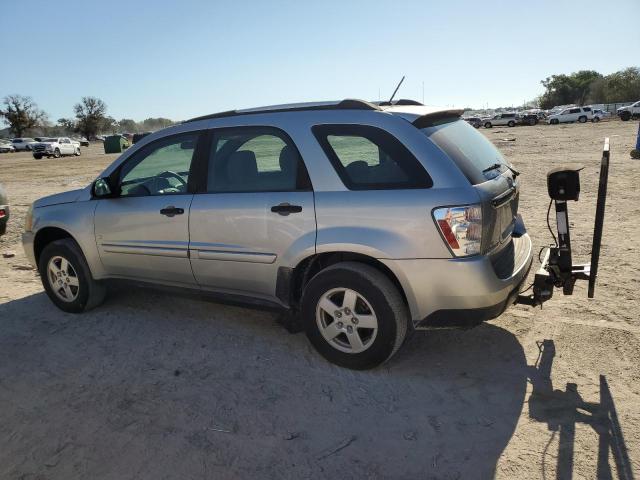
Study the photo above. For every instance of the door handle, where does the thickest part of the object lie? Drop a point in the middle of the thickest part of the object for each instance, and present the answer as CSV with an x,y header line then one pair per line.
x,y
286,209
171,211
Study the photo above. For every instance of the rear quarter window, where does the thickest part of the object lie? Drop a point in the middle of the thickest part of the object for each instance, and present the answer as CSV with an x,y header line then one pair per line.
x,y
369,158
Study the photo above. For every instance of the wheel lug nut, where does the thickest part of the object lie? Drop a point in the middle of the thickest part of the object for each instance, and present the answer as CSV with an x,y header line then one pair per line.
x,y
347,311
338,314
340,324
354,320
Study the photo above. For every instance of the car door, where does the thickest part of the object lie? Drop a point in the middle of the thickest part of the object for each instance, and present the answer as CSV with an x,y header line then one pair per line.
x,y
256,213
143,231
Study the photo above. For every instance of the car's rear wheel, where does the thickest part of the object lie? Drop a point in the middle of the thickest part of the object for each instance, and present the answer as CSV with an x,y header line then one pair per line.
x,y
511,123
624,116
77,152
487,125
354,315
582,119
532,121
67,279
37,156
56,153
595,119
554,121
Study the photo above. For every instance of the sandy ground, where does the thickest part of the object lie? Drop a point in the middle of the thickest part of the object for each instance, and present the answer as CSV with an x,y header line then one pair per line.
x,y
152,386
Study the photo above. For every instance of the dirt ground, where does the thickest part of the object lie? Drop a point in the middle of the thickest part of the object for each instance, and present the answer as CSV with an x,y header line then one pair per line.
x,y
153,386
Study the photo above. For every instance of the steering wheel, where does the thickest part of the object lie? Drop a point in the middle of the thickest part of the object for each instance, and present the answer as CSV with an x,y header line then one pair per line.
x,y
169,173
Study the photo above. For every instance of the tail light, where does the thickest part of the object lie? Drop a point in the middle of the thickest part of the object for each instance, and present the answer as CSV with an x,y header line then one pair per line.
x,y
3,213
461,228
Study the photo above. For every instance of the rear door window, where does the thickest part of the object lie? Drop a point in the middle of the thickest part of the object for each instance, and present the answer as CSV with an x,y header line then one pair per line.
x,y
369,158
469,149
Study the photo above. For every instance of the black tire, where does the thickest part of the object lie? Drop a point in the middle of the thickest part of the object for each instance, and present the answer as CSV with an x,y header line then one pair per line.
x,y
595,119
582,119
383,296
511,123
625,116
37,156
554,121
533,121
487,125
90,293
77,152
56,153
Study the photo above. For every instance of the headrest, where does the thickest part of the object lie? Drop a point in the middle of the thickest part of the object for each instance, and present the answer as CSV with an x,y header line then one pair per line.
x,y
242,167
288,159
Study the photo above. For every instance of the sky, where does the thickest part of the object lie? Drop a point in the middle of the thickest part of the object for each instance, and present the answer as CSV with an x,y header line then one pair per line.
x,y
180,59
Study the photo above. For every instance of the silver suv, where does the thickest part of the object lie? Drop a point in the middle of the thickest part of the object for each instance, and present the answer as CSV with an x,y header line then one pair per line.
x,y
363,221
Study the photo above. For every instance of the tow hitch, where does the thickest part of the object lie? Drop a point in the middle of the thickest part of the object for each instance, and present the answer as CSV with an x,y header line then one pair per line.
x,y
557,269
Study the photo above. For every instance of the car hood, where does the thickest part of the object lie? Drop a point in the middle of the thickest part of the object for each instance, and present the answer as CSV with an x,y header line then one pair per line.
x,y
64,197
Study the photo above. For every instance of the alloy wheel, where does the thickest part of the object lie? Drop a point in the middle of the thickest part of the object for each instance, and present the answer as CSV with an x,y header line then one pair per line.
x,y
346,320
63,279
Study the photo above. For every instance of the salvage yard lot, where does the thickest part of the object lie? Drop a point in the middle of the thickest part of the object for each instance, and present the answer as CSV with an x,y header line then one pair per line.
x,y
154,386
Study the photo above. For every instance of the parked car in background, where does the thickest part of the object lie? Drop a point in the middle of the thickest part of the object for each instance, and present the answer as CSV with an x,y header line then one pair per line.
x,y
629,112
475,122
6,146
4,210
56,147
81,140
574,114
501,119
362,221
139,136
528,119
24,143
599,114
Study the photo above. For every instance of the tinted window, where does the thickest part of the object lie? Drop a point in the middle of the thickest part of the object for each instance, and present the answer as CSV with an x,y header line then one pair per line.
x,y
508,115
574,110
368,158
468,148
254,159
160,168
587,109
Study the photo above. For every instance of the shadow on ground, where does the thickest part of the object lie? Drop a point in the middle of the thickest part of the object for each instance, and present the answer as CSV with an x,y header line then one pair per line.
x,y
149,386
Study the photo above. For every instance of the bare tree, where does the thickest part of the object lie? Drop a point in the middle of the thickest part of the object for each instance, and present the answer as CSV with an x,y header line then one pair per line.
x,y
91,115
22,113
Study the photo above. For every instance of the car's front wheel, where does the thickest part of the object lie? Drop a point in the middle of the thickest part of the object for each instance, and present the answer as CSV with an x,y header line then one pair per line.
x,y
625,116
582,119
554,121
511,123
487,125
77,152
354,315
37,156
56,153
67,279
595,119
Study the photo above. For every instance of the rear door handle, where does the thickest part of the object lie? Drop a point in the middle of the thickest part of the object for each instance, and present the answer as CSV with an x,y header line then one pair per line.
x,y
171,211
286,209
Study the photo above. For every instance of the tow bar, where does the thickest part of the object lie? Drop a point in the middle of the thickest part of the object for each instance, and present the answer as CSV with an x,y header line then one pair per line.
x,y
557,269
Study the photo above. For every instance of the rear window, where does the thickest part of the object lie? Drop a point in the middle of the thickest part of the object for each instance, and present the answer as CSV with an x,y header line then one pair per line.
x,y
369,158
469,149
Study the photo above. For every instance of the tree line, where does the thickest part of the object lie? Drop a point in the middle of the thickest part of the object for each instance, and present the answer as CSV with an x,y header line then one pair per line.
x,y
24,116
590,87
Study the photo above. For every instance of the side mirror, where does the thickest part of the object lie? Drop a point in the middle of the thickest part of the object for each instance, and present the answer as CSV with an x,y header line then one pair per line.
x,y
102,188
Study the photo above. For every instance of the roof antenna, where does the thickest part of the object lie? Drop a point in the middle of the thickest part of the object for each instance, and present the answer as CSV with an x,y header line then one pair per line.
x,y
396,90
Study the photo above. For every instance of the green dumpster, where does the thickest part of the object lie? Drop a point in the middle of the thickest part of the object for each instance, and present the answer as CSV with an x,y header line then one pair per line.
x,y
115,144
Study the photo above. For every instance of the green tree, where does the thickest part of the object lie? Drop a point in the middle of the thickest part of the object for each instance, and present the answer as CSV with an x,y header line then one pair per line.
x,y
91,115
565,89
153,124
128,125
21,114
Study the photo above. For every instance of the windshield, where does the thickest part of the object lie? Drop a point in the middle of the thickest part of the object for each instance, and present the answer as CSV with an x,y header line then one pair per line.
x,y
472,152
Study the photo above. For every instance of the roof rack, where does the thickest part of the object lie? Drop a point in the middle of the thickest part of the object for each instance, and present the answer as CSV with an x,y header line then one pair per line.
x,y
401,101
347,104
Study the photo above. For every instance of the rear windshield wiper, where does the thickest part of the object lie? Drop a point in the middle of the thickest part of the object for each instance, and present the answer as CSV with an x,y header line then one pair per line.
x,y
498,165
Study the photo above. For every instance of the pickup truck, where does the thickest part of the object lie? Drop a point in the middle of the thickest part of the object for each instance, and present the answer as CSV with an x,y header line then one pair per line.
x,y
629,112
56,147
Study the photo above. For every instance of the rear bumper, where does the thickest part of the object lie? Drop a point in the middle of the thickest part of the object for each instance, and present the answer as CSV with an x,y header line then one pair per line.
x,y
5,219
461,291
